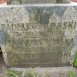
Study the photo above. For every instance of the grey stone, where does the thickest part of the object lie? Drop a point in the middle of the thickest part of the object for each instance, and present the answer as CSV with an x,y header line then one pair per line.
x,y
36,1
47,72
38,36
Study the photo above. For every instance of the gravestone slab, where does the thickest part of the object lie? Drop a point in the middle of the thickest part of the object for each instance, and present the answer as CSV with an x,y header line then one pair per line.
x,y
38,36
36,1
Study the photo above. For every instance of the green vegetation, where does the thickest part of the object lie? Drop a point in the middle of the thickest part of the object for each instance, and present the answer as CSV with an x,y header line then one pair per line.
x,y
11,73
70,73
75,61
32,73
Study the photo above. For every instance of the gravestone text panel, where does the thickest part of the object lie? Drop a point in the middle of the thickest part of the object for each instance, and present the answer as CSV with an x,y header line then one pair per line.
x,y
38,36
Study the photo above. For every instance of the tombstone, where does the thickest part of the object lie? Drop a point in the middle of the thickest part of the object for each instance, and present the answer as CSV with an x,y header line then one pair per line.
x,y
38,36
36,1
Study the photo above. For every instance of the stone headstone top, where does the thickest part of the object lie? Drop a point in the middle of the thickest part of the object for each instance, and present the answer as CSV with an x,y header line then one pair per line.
x,y
37,1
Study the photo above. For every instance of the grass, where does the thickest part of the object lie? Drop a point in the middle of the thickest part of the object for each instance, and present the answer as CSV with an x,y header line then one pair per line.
x,y
11,73
70,73
32,73
75,61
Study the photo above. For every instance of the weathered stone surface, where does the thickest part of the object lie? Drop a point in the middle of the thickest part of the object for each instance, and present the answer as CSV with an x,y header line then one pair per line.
x,y
38,36
36,1
48,72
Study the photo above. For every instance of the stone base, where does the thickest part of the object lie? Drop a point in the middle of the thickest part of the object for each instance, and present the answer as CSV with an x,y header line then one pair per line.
x,y
48,72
